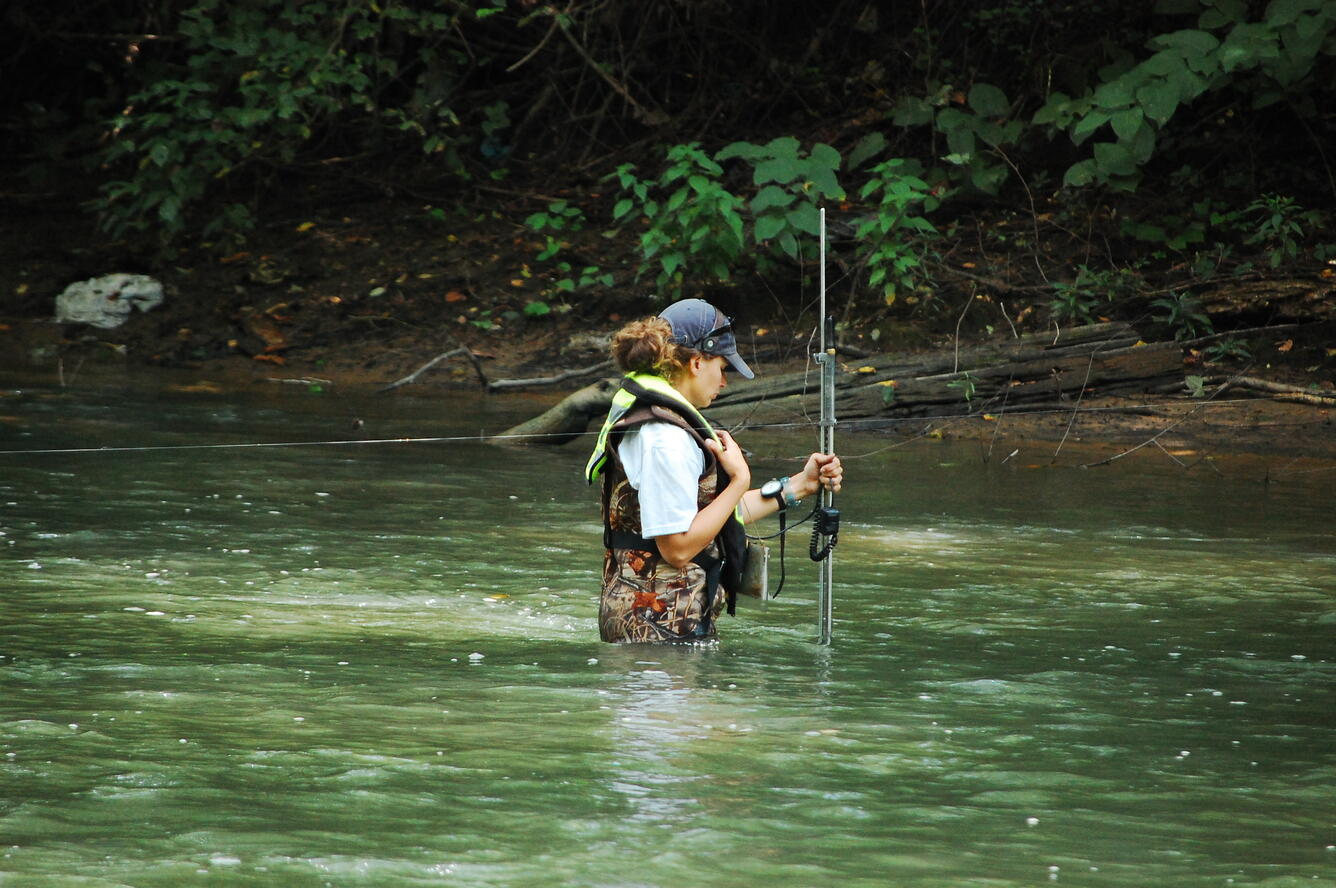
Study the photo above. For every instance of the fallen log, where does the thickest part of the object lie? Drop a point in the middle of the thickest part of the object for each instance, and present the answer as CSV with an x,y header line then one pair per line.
x,y
1034,346
1056,379
568,419
1281,391
1035,369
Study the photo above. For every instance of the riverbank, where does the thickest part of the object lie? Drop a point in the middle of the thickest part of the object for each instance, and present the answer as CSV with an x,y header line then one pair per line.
x,y
357,296
1191,432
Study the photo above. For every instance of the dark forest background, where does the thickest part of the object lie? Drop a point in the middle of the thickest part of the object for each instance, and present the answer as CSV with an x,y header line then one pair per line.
x,y
513,162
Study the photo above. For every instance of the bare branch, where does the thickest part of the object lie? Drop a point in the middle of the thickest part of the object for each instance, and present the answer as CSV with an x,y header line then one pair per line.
x,y
548,380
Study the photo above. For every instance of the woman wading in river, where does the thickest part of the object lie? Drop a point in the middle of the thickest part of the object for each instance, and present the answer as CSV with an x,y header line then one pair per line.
x,y
675,490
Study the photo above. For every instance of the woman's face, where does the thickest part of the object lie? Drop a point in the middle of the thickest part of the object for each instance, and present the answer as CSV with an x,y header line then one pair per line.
x,y
704,380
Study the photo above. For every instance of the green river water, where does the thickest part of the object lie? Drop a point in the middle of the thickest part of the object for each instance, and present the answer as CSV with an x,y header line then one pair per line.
x,y
378,665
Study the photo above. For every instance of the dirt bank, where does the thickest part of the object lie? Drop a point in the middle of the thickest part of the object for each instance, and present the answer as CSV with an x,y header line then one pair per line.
x,y
360,295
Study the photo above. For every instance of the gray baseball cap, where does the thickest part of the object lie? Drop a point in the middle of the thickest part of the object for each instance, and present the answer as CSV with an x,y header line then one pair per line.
x,y
698,324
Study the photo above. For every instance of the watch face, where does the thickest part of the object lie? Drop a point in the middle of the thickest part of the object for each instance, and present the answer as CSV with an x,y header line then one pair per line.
x,y
771,488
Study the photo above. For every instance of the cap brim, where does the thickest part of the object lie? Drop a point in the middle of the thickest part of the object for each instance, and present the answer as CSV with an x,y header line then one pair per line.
x,y
740,365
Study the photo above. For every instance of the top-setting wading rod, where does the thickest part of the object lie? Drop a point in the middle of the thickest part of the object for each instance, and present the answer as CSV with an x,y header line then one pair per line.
x,y
826,528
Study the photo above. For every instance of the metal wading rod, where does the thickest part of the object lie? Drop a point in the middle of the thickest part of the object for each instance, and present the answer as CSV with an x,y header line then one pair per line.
x,y
826,359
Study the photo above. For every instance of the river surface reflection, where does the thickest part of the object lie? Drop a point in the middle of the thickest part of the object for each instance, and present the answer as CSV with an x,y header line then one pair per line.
x,y
377,664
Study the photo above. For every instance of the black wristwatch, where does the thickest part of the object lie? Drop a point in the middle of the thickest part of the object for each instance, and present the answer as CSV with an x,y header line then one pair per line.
x,y
778,489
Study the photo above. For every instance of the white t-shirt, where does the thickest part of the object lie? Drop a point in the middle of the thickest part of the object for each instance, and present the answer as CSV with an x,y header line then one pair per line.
x,y
664,464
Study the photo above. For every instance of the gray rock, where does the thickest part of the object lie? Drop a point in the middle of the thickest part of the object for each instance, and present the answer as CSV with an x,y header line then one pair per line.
x,y
587,344
107,301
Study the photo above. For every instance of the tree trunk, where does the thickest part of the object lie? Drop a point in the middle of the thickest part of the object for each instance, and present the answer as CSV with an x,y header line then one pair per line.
x,y
1043,368
568,419
1049,379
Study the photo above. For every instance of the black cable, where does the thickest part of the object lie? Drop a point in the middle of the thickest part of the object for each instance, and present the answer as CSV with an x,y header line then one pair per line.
x,y
827,524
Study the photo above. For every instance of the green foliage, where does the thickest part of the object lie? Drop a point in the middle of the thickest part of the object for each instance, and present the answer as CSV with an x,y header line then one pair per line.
x,y
1182,313
1135,105
1077,301
976,126
1230,349
559,216
791,186
219,101
1196,385
1071,303
588,276
1182,231
562,216
1122,116
965,383
892,238
1276,223
694,222
246,88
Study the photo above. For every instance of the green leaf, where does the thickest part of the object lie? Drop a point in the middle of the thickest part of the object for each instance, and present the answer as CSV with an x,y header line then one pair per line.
x,y
783,148
745,150
867,147
988,178
1282,12
770,196
1114,159
1226,12
769,225
789,244
537,309
1078,174
1142,144
825,155
805,217
777,169
1086,126
1159,100
1266,98
1127,123
827,184
734,222
1056,108
912,112
169,209
988,100
1188,42
1114,94
622,208
959,130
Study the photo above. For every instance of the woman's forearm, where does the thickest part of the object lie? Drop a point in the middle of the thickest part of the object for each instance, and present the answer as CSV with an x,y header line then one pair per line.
x,y
678,549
